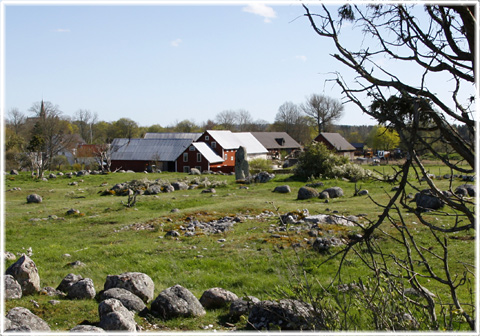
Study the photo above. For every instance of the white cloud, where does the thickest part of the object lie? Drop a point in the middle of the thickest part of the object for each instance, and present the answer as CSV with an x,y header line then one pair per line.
x,y
301,58
176,43
260,9
62,30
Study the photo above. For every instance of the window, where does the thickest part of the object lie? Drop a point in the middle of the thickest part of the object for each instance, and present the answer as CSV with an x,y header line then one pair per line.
x,y
186,169
185,157
232,157
192,148
226,156
199,157
207,138
214,144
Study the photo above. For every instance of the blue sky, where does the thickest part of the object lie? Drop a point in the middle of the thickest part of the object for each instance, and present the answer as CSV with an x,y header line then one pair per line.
x,y
164,63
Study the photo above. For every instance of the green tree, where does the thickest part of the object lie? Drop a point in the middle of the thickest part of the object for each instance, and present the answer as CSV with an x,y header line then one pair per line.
x,y
383,138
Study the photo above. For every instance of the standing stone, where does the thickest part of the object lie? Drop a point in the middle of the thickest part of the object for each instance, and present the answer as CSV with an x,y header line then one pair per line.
x,y
22,320
13,290
25,272
177,301
241,164
139,284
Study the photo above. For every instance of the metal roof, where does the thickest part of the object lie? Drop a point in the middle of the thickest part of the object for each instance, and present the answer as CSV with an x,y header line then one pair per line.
x,y
148,149
269,140
207,152
229,140
337,141
191,136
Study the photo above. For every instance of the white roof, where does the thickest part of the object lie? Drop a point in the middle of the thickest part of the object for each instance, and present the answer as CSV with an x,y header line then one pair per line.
x,y
207,152
229,140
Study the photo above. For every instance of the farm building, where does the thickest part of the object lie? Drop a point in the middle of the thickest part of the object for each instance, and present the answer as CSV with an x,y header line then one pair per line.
x,y
147,154
225,145
276,142
337,143
198,155
166,136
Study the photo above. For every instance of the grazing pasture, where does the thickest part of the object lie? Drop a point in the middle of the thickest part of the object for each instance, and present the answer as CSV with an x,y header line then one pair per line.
x,y
257,256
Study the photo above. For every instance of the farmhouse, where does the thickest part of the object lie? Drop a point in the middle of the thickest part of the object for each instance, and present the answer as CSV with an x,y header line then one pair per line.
x,y
225,145
147,154
198,155
337,143
276,142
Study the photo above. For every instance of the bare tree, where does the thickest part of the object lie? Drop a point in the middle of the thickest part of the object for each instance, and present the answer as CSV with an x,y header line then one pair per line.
x,y
322,110
85,120
244,120
289,119
226,119
16,120
440,43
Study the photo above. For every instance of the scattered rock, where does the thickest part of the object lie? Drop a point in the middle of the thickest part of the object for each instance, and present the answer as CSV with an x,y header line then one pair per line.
x,y
284,189
9,256
425,200
83,289
127,298
23,320
217,297
286,314
209,191
138,283
25,272
363,192
72,211
179,186
242,306
324,195
34,198
465,190
307,193
323,244
334,192
13,172
195,171
13,290
87,329
50,291
67,282
262,177
114,316
176,301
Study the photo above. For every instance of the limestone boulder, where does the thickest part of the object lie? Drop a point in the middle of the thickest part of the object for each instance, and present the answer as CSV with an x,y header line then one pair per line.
x,y
176,301
23,320
138,283
115,317
67,282
127,298
13,290
242,306
83,289
216,298
26,274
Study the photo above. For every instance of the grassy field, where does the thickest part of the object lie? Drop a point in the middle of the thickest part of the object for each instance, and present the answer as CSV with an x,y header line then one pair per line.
x,y
110,238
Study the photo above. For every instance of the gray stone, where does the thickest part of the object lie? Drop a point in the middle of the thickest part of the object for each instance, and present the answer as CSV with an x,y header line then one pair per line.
x,y
83,289
466,190
363,192
306,193
50,291
286,314
13,172
138,283
73,212
241,164
67,282
9,256
262,177
284,189
216,298
127,298
242,306
334,192
323,244
13,290
25,272
114,316
425,200
176,301
34,198
324,195
209,191
86,329
180,185
23,320
153,190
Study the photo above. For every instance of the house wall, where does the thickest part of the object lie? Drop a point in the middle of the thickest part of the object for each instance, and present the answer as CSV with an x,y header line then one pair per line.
x,y
191,155
136,166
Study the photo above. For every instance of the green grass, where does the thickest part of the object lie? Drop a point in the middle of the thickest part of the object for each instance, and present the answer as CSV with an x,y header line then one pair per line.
x,y
249,262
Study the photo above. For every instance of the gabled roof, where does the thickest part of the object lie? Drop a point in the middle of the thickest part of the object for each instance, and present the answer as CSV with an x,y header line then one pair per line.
x,y
337,141
191,136
207,152
148,149
229,140
276,140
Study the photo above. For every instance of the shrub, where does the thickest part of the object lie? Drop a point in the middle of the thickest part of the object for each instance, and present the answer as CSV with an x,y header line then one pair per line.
x,y
317,160
259,164
352,172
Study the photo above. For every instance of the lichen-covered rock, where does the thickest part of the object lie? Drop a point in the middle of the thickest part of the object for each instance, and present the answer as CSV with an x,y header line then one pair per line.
x,y
25,272
284,189
13,290
127,298
176,301
23,320
307,193
34,198
138,283
216,298
179,185
242,306
334,192
114,316
87,329
67,282
83,289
